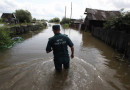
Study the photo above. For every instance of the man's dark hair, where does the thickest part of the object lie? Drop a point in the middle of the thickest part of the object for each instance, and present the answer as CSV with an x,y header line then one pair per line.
x,y
56,27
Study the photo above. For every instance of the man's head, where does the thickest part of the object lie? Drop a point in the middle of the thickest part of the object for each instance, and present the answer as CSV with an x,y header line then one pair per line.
x,y
56,29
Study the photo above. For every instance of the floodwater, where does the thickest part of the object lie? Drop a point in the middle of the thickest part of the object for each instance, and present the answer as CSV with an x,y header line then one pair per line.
x,y
27,66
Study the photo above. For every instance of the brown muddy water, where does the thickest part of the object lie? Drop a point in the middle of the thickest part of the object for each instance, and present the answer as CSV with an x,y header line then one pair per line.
x,y
26,66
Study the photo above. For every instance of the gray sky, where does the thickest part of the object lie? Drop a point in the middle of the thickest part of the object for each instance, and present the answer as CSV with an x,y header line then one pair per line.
x,y
47,9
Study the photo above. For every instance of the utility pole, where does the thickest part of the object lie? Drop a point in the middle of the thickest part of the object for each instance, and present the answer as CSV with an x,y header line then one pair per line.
x,y
65,12
71,11
70,18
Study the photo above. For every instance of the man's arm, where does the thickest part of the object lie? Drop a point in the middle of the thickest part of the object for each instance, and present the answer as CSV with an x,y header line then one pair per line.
x,y
48,48
72,52
71,45
48,51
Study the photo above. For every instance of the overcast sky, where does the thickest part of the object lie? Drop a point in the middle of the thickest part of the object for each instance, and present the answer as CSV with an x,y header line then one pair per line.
x,y
47,9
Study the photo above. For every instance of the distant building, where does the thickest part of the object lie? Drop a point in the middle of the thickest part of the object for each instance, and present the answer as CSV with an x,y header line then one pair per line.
x,y
9,18
96,18
75,23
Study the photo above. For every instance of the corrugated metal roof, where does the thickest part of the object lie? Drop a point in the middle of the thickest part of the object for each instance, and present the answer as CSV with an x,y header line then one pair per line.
x,y
94,14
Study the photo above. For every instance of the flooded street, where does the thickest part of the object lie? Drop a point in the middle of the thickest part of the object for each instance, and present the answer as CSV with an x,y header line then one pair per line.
x,y
27,66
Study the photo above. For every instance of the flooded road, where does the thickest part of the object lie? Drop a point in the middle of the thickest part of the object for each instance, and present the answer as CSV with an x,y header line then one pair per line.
x,y
26,66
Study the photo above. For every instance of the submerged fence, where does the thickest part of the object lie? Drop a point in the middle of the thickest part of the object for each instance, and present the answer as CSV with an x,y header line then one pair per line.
x,y
117,39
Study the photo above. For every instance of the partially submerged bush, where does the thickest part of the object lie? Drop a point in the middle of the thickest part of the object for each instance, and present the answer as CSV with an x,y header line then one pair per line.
x,y
4,36
65,26
65,20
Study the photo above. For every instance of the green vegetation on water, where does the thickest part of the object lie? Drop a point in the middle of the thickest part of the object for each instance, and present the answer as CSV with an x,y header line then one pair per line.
x,y
65,25
5,39
25,18
65,22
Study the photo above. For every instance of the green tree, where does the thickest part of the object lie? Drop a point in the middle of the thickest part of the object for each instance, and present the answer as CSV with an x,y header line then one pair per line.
x,y
56,19
118,23
34,19
65,20
23,16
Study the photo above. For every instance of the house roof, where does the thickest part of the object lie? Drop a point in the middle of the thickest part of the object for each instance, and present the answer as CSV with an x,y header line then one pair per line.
x,y
8,15
76,20
95,14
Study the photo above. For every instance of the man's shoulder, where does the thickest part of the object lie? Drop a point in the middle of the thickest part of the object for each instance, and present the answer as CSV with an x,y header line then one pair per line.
x,y
51,38
56,37
65,35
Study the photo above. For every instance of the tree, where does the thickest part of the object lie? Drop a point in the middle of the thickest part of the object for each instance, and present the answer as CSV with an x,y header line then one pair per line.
x,y
118,23
23,16
65,20
34,19
56,19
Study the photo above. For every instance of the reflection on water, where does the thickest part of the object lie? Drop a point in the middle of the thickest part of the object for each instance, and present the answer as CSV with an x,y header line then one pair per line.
x,y
27,66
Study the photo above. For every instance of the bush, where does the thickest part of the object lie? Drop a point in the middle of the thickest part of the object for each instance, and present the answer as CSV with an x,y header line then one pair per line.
x,y
4,36
56,20
65,20
65,26
118,23
23,16
1,21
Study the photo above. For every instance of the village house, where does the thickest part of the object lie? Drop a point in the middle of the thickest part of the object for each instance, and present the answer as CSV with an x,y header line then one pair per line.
x,y
9,18
96,18
76,23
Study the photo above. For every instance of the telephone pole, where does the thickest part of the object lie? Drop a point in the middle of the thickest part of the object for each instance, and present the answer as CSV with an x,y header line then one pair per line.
x,y
71,11
65,11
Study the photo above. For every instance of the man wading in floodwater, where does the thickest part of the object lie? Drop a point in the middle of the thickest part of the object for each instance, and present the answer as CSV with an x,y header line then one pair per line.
x,y
58,43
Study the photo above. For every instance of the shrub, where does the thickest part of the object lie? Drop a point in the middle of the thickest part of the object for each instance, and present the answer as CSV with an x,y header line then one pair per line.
x,y
56,20
65,20
65,26
4,36
118,23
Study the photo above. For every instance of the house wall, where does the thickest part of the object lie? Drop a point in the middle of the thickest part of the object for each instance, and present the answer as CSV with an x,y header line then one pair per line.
x,y
91,24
